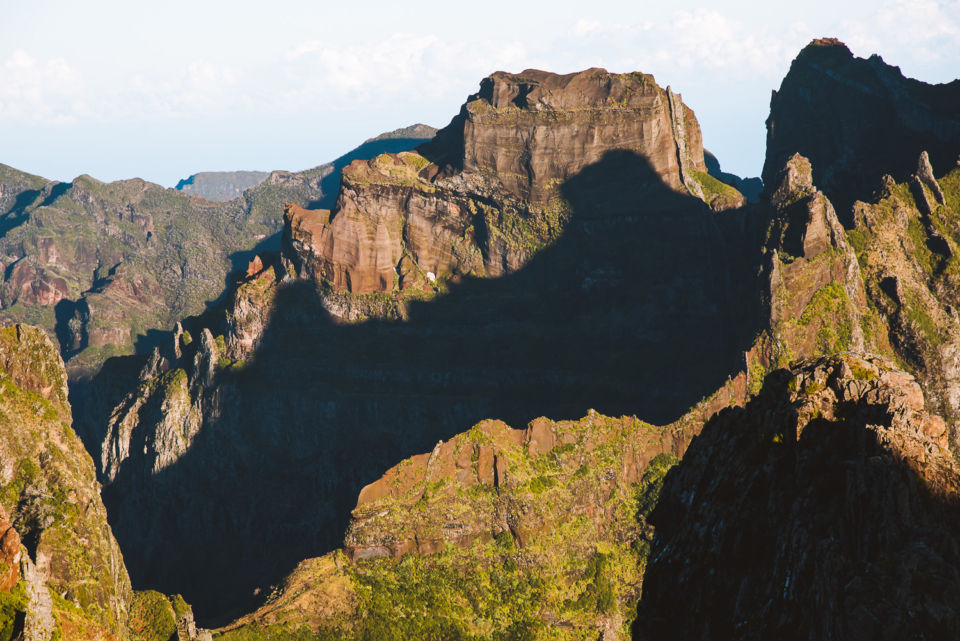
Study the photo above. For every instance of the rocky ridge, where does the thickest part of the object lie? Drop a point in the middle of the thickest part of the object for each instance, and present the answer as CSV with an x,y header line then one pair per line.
x,y
62,575
856,120
826,507
330,351
906,244
506,532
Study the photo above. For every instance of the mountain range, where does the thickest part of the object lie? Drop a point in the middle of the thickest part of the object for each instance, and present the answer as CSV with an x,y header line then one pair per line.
x,y
545,373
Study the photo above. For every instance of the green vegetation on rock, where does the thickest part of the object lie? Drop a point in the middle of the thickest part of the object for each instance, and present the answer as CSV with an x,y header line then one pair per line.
x,y
13,604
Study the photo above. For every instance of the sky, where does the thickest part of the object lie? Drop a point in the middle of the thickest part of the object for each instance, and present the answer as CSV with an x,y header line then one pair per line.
x,y
120,89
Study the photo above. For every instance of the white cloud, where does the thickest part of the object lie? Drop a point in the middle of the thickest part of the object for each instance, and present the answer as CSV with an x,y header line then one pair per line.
x,y
43,92
724,58
401,65
921,31
200,88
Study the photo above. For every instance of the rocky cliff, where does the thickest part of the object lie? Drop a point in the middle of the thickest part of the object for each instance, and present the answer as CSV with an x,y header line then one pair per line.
x,y
488,192
62,575
72,580
813,291
623,293
856,120
906,243
825,508
105,268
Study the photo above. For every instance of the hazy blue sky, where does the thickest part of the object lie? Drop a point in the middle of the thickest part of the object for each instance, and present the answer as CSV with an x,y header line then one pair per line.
x,y
117,88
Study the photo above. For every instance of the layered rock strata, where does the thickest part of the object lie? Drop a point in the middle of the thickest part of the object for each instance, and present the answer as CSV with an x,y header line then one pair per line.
x,y
486,194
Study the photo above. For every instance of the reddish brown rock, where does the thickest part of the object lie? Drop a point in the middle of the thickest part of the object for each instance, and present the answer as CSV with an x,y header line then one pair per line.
x,y
254,267
535,129
9,553
485,194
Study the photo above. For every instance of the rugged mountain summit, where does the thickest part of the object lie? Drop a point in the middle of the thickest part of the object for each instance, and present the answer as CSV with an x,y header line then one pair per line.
x,y
827,507
488,192
814,292
856,120
636,299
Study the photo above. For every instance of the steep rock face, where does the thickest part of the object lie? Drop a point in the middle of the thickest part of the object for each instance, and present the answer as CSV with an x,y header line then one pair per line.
x,y
907,243
813,289
72,576
825,508
486,194
630,296
857,120
9,552
534,129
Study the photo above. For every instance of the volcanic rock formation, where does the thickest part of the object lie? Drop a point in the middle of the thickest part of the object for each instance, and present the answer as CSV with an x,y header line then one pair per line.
x,y
856,120
825,508
56,538
486,194
621,292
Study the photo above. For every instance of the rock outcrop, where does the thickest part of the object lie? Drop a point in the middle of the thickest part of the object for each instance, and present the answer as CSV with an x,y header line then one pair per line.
x,y
105,267
817,301
622,293
824,508
9,552
71,572
486,194
857,120
907,242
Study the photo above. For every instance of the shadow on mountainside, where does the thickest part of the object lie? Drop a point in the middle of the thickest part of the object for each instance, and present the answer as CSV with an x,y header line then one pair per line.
x,y
832,535
643,306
